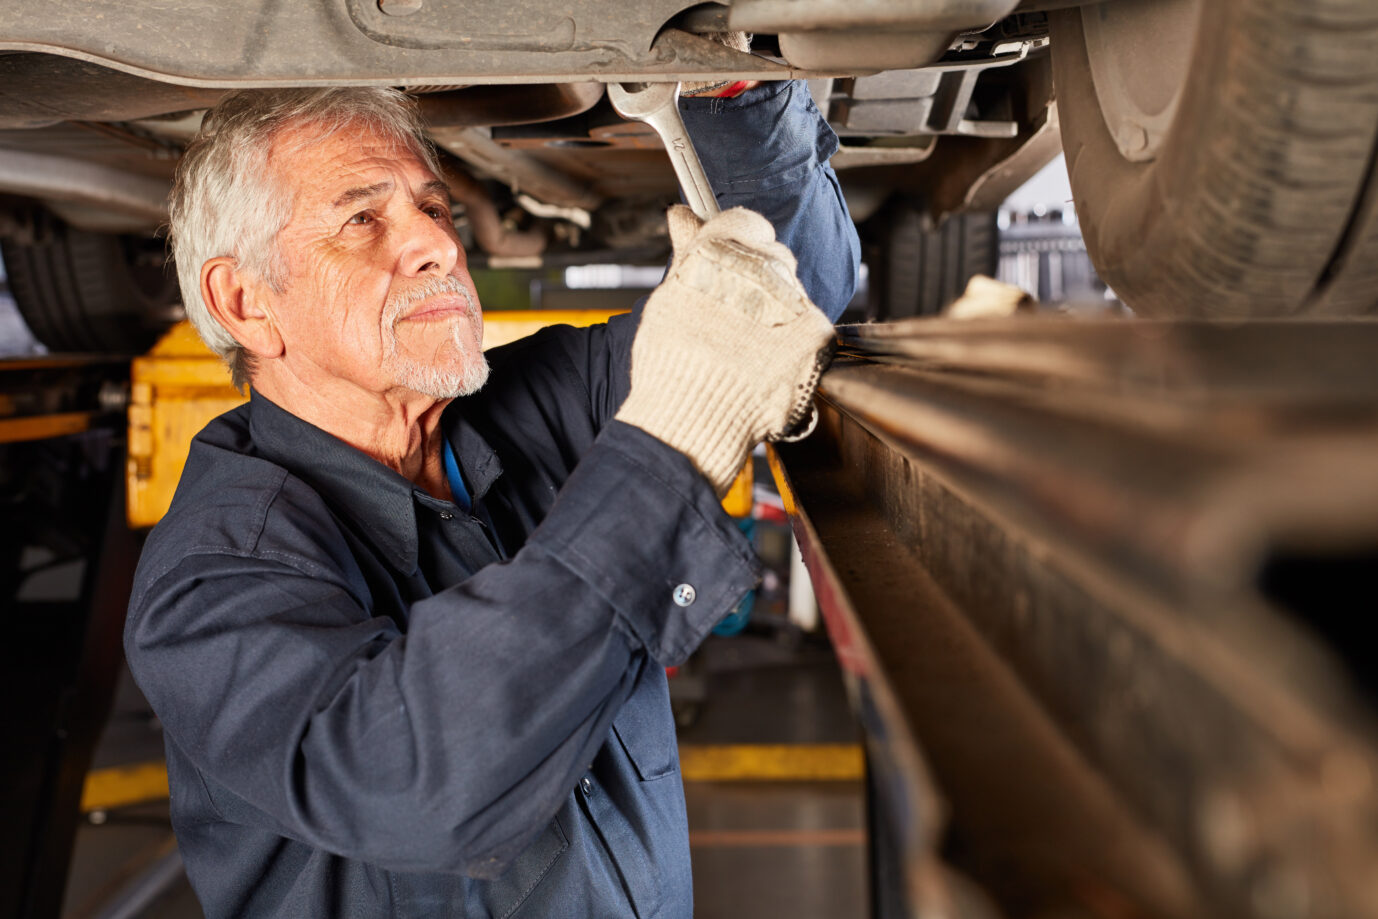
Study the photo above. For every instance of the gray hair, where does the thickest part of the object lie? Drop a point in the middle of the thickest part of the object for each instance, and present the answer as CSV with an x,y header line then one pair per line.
x,y
226,202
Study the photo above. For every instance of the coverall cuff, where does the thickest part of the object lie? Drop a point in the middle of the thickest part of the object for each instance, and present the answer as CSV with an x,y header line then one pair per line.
x,y
640,525
761,92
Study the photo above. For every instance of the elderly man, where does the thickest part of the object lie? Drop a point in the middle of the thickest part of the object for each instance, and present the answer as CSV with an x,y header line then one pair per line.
x,y
407,620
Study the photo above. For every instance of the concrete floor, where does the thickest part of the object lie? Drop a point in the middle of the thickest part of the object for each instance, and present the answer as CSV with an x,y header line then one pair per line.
x,y
760,848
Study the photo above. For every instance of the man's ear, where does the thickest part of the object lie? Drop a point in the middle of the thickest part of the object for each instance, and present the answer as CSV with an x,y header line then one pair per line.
x,y
238,303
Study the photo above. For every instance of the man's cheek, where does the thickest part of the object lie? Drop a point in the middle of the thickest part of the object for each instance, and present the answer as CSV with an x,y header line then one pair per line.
x,y
352,314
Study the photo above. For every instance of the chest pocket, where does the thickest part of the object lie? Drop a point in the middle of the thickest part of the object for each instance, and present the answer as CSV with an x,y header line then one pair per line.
x,y
646,729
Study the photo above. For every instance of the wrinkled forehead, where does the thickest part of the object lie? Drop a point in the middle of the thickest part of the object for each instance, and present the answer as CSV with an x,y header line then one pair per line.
x,y
307,160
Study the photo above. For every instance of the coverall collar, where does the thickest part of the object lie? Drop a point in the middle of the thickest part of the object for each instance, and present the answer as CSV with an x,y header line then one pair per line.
x,y
378,503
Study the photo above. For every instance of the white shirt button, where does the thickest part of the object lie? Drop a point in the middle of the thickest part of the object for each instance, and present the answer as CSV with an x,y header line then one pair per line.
x,y
684,595
586,785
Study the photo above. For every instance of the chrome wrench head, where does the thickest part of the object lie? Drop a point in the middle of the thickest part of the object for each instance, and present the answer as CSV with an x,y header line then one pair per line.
x,y
638,101
657,104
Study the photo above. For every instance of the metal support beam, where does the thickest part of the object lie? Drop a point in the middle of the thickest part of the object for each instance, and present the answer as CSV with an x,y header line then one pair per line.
x,y
55,178
1114,574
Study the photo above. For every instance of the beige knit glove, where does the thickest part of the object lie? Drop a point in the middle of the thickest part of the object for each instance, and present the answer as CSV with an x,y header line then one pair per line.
x,y
730,349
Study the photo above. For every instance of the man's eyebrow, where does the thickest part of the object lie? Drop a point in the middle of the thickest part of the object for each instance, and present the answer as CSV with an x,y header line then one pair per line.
x,y
436,186
362,193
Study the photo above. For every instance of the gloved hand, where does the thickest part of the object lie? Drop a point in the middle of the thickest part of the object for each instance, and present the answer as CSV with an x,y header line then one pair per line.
x,y
730,349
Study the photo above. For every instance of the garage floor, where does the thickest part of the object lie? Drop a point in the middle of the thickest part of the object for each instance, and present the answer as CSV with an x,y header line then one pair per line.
x,y
761,847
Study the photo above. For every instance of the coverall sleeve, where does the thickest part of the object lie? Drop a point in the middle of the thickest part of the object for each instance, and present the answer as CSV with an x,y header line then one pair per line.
x,y
768,150
447,745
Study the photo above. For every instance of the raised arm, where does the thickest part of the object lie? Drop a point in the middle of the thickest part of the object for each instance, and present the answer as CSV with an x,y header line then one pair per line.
x,y
767,150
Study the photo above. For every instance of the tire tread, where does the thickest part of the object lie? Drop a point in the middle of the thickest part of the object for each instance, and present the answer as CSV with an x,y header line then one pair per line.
x,y
1254,225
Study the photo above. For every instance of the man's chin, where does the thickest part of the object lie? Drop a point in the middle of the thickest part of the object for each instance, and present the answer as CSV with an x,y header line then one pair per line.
x,y
444,382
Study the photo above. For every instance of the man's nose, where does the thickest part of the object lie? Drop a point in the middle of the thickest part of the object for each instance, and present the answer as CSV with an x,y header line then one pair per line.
x,y
426,247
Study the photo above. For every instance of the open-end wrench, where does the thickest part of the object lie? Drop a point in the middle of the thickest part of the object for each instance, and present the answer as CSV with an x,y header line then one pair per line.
x,y
657,104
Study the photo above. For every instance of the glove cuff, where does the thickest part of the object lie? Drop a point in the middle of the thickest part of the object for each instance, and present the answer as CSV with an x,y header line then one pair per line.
x,y
709,423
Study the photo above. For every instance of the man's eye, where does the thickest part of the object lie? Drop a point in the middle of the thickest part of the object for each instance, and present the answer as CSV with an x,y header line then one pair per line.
x,y
436,212
361,218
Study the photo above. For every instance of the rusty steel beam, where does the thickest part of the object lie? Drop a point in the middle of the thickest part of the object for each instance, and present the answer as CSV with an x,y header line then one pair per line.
x,y
1114,574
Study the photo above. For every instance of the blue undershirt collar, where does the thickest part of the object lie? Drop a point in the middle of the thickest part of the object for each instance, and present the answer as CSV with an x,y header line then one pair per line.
x,y
461,494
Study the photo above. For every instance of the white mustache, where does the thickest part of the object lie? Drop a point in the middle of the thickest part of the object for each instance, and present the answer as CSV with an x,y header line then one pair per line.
x,y
433,287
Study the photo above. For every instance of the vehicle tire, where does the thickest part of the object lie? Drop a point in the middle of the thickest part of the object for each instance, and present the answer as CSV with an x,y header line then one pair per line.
x,y
91,292
917,268
1221,152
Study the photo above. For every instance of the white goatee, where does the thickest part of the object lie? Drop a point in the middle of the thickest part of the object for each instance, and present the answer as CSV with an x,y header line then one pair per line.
x,y
428,379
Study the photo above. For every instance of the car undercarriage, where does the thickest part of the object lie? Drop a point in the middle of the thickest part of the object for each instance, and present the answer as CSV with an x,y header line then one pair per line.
x,y
942,107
